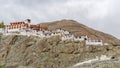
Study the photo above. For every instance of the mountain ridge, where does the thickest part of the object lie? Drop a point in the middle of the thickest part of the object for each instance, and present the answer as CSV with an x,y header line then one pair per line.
x,y
80,29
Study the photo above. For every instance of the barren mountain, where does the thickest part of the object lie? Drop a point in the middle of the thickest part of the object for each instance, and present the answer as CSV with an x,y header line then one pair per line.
x,y
80,29
18,51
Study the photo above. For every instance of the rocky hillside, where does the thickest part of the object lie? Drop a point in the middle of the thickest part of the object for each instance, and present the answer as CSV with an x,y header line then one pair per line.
x,y
80,29
34,52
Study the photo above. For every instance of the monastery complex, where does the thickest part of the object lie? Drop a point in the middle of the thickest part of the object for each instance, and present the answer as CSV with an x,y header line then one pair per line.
x,y
26,28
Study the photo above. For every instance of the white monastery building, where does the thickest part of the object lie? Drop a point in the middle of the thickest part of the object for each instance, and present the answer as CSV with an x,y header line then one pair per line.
x,y
93,42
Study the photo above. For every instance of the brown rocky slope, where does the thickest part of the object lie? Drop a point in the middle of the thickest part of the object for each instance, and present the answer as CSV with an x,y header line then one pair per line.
x,y
80,29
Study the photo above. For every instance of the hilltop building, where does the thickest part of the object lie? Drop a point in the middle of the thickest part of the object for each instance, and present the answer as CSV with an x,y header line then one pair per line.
x,y
23,26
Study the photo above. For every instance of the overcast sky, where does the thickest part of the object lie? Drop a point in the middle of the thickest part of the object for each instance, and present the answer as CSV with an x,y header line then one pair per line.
x,y
103,15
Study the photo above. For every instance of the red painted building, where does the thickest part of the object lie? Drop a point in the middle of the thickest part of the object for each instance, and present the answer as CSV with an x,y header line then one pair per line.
x,y
23,25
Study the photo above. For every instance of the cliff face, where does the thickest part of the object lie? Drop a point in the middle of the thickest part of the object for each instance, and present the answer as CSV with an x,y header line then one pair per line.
x,y
34,52
80,29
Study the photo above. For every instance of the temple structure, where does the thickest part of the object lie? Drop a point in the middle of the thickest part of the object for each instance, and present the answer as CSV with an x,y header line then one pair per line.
x,y
23,26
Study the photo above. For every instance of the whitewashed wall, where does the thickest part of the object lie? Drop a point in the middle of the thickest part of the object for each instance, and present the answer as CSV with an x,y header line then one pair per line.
x,y
93,42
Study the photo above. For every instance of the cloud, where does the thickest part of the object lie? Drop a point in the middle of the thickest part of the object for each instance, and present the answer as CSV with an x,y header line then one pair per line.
x,y
99,14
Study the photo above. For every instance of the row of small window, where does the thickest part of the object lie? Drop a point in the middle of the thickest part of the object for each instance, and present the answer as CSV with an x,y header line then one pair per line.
x,y
94,40
15,27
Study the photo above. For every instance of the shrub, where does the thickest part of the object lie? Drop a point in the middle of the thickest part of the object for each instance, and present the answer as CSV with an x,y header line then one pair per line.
x,y
2,66
38,67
